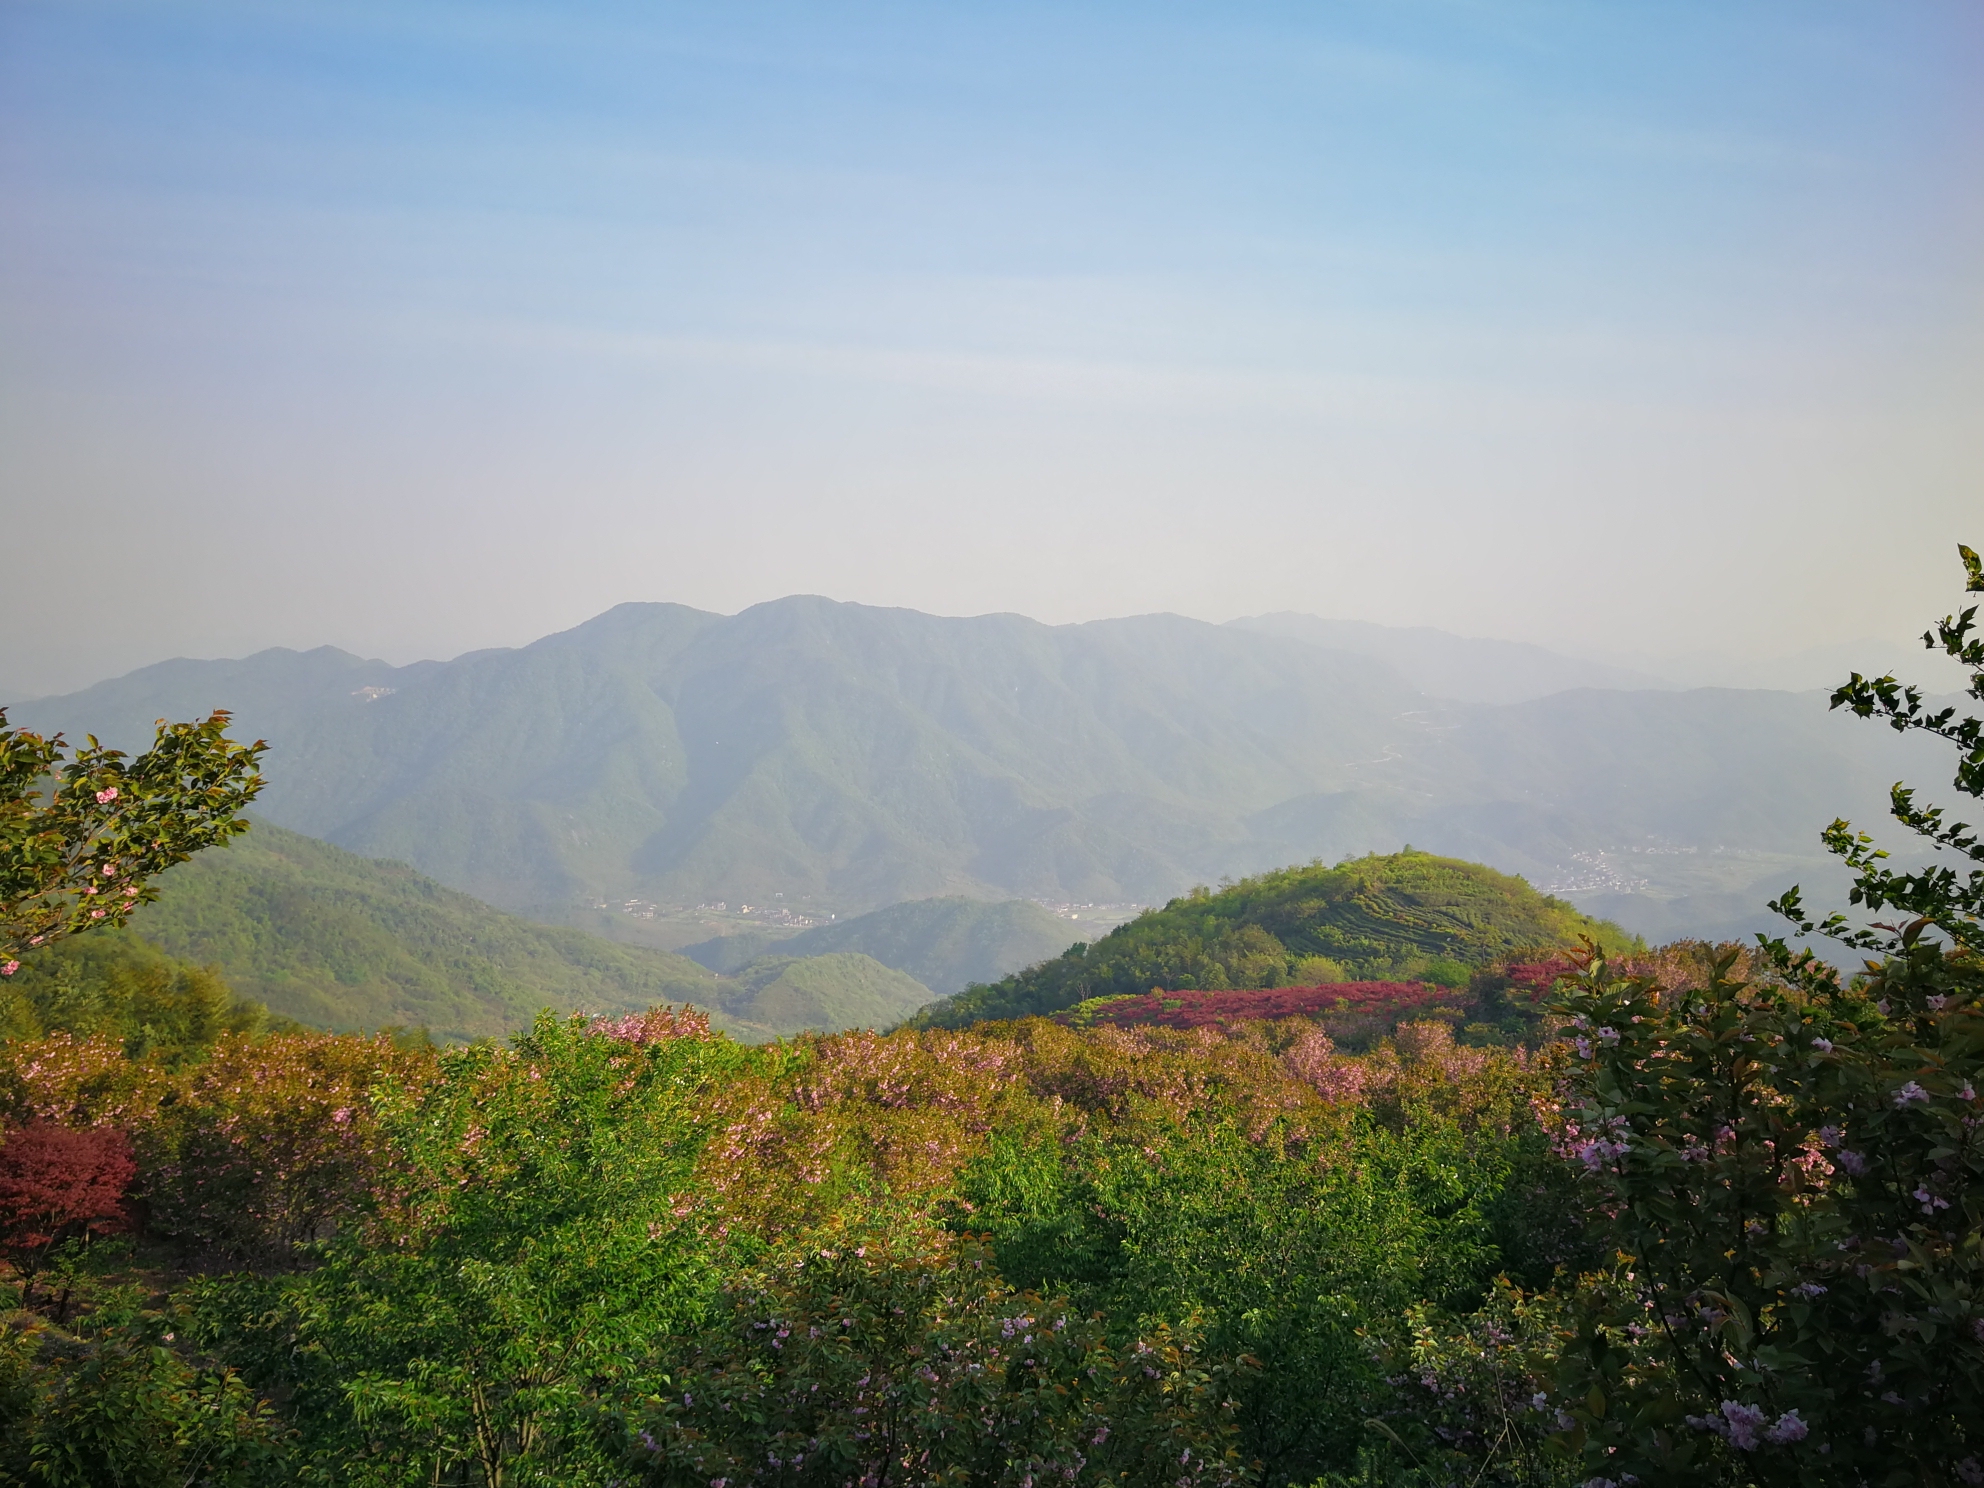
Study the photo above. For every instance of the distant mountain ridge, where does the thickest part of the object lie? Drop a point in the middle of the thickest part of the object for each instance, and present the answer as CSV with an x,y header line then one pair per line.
x,y
850,758
1456,668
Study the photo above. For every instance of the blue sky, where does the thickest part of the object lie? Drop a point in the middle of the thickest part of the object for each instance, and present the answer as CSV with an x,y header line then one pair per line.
x,y
417,328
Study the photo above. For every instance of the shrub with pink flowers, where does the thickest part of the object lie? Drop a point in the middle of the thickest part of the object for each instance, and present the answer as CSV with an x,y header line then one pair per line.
x,y
273,1142
899,1354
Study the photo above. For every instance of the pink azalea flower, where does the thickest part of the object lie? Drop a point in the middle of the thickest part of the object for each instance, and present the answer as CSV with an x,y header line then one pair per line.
x,y
9,968
96,914
106,796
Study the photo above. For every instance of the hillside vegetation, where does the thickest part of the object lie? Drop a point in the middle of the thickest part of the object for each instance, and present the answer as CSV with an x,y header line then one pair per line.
x,y
111,984
946,944
1408,916
777,995
338,941
282,925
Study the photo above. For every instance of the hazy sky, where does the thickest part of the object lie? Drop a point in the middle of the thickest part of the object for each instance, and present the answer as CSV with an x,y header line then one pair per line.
x,y
416,327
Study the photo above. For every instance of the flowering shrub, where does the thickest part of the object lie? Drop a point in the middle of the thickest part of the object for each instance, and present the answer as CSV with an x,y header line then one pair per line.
x,y
273,1142
657,1025
1470,1394
1795,1174
1537,978
903,1357
74,1081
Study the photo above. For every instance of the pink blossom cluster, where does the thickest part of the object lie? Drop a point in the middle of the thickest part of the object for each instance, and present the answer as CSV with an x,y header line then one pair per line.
x,y
660,1024
1742,1426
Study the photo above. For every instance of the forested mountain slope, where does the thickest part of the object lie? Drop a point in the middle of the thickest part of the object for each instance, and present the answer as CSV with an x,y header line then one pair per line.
x,y
850,757
842,989
339,941
1407,916
334,940
110,984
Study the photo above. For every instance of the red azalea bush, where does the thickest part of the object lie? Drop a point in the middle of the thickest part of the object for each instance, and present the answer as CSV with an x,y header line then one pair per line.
x,y
1538,977
58,1184
1220,1009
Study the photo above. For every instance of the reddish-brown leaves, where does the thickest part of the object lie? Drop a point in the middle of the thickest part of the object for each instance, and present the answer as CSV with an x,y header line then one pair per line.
x,y
57,1184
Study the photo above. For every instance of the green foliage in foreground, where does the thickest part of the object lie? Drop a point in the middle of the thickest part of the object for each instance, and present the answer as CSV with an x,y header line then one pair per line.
x,y
527,1246
1797,1170
1407,916
115,1403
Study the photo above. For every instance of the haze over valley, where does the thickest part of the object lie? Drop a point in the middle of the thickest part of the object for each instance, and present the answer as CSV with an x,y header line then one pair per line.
x,y
807,759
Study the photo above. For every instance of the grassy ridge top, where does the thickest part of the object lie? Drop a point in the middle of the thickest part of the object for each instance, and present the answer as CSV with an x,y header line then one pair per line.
x,y
339,941
1408,916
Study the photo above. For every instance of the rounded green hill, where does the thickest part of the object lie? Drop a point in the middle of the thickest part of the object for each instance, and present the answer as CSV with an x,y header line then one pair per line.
x,y
1406,916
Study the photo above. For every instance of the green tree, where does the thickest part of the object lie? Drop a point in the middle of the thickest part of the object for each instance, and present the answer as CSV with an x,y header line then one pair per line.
x,y
897,1355
79,839
534,1240
1792,1165
116,986
120,1404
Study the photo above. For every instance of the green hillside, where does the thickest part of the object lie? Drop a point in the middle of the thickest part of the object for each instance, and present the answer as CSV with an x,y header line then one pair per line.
x,y
946,944
339,941
281,924
111,984
1407,916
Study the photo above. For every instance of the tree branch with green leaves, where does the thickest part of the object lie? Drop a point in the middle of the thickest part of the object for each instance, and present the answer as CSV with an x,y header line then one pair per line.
x,y
80,837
